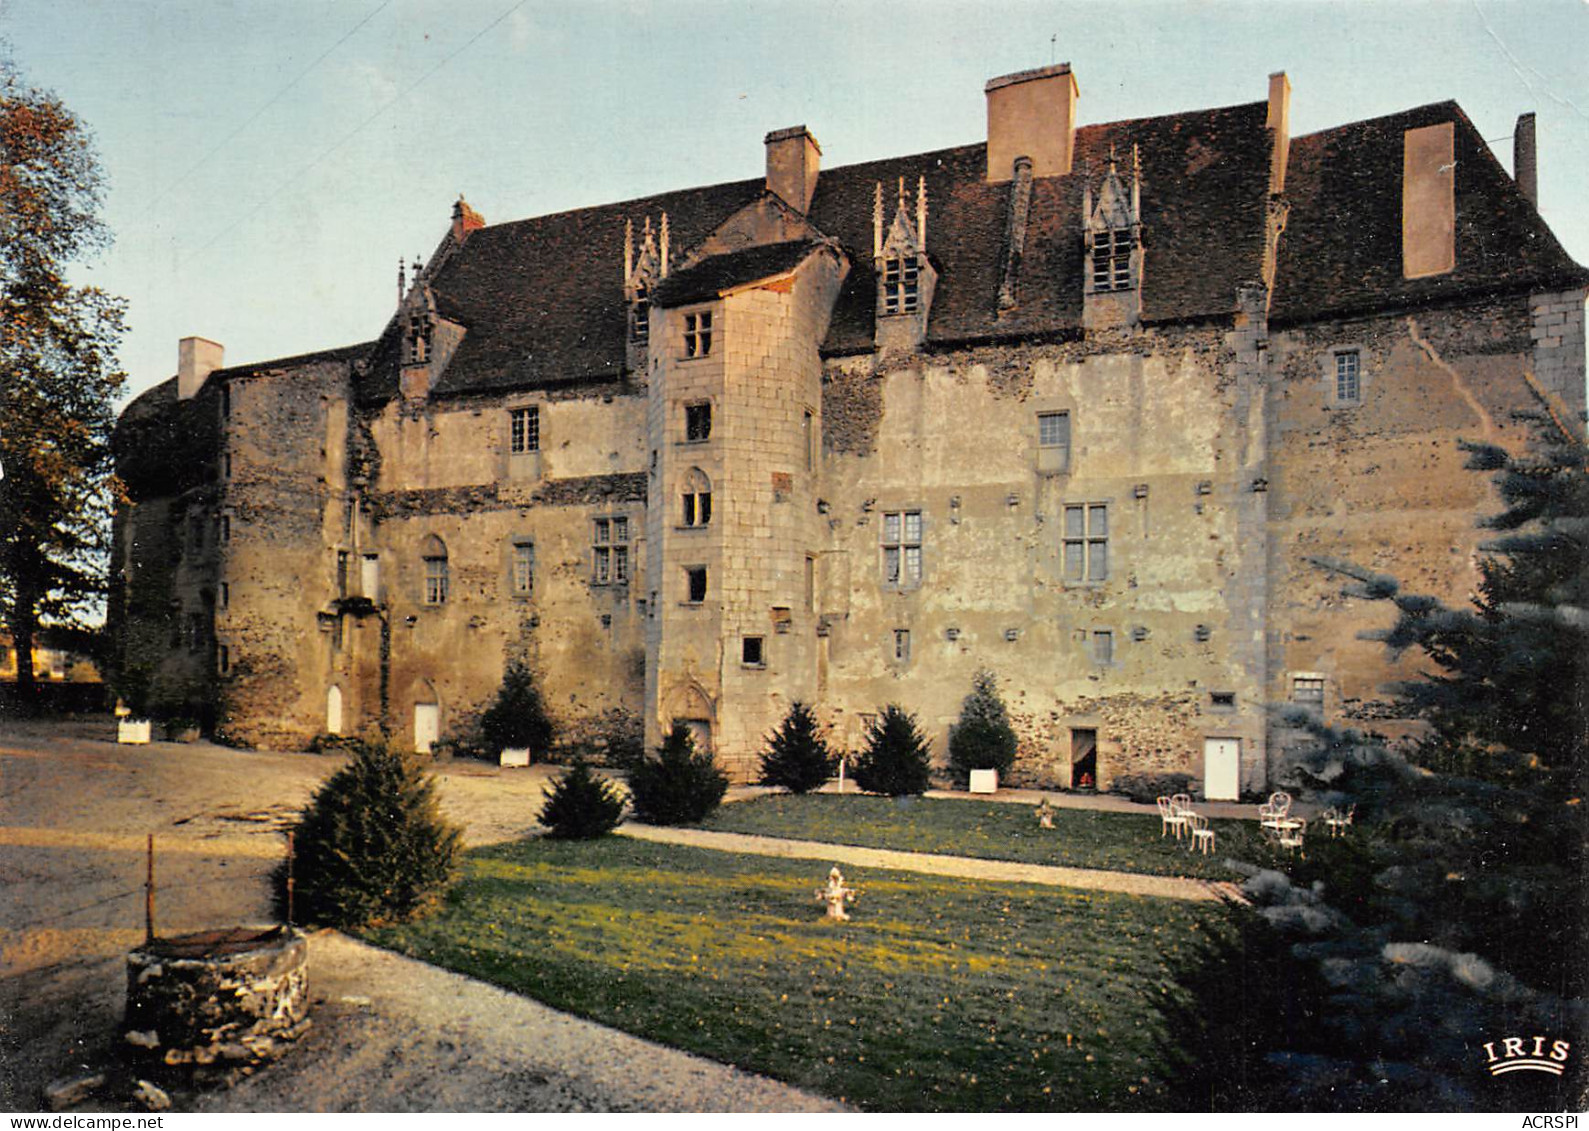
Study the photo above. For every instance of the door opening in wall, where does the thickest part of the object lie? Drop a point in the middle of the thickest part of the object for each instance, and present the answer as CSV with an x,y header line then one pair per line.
x,y
1083,758
427,726
701,732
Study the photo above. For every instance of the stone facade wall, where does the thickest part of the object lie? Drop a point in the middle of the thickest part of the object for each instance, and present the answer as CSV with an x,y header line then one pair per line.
x,y
1557,330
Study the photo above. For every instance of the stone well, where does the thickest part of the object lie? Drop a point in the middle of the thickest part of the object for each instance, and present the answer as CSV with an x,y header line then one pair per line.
x,y
218,1003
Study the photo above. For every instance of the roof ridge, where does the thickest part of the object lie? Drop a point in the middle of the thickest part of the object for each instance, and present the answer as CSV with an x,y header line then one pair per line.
x,y
1444,103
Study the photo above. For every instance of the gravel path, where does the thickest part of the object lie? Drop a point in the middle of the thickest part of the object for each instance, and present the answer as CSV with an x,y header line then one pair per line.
x,y
1091,879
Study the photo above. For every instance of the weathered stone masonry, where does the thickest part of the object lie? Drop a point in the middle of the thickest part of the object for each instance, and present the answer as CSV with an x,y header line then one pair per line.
x,y
1080,405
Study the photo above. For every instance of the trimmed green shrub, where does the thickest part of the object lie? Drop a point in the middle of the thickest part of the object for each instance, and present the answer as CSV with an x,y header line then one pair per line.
x,y
372,847
983,738
1145,788
581,806
517,717
680,785
796,756
895,760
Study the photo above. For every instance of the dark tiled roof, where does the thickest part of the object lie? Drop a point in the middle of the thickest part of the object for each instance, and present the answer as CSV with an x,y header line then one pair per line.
x,y
710,277
341,353
1341,250
543,299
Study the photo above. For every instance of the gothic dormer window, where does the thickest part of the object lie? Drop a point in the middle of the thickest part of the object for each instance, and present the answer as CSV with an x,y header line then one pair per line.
x,y
643,269
1112,237
905,277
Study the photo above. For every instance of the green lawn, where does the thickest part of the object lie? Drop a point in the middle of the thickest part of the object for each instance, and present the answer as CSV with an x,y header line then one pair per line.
x,y
1080,838
940,994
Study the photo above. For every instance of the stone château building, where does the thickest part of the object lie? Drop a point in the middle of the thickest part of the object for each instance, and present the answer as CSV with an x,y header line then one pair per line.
x,y
1076,404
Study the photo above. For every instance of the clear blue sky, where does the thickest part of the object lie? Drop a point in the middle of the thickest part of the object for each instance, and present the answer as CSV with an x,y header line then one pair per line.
x,y
269,162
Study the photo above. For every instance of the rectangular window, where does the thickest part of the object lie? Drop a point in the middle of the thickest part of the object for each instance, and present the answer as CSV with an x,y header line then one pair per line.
x,y
1348,377
901,284
695,577
1053,441
751,652
370,577
1087,542
1307,689
698,421
524,428
342,573
226,528
902,645
436,581
698,334
902,548
523,580
1222,700
642,314
223,659
811,584
611,551
226,595
1111,260
808,439
1103,647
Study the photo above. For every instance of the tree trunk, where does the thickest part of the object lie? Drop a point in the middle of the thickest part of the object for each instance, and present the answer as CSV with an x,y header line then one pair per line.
x,y
24,625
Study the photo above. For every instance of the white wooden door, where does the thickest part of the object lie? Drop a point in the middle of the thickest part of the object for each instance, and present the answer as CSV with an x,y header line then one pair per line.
x,y
334,710
427,726
1221,769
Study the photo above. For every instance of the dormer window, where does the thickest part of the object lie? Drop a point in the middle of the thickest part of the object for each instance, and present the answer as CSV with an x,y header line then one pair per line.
x,y
640,328
901,284
1111,260
698,334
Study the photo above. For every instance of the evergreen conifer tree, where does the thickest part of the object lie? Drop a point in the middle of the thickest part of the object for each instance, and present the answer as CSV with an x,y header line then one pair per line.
x,y
681,785
983,738
796,756
581,806
895,760
517,717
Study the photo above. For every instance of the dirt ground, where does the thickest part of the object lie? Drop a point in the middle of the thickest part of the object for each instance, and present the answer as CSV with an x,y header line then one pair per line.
x,y
389,1034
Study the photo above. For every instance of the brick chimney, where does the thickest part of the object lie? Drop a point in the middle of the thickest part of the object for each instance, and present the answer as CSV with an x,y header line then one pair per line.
x,y
464,220
1279,121
793,159
1032,114
197,358
1525,158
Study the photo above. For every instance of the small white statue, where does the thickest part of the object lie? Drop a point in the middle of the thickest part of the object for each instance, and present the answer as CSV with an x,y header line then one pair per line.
x,y
1045,814
836,895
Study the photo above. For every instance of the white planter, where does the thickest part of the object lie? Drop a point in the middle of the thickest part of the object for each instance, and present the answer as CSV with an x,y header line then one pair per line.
x,y
515,756
134,732
984,781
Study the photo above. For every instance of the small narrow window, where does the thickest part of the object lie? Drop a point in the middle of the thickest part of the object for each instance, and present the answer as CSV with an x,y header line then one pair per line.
x,y
1222,700
751,651
226,528
342,574
697,498
524,427
698,334
1111,260
1086,542
226,595
811,584
1103,647
695,576
1348,377
370,576
808,438
698,421
436,571
523,579
226,465
902,645
641,331
223,659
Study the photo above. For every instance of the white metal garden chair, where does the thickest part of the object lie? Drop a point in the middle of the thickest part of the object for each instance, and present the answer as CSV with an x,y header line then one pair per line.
x,y
1172,818
1202,834
1339,820
1274,813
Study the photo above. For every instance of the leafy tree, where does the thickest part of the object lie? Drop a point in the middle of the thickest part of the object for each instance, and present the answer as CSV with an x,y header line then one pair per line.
x,y
796,756
581,806
372,847
895,760
517,717
983,738
58,372
680,785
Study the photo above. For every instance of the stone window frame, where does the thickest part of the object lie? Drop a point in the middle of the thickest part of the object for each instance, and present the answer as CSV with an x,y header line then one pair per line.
x,y
696,500
1109,261
1330,375
808,437
223,659
1054,457
1101,651
1087,539
901,543
753,652
610,558
697,421
436,581
1299,681
901,652
524,429
640,314
900,281
1221,702
690,575
699,330
521,567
